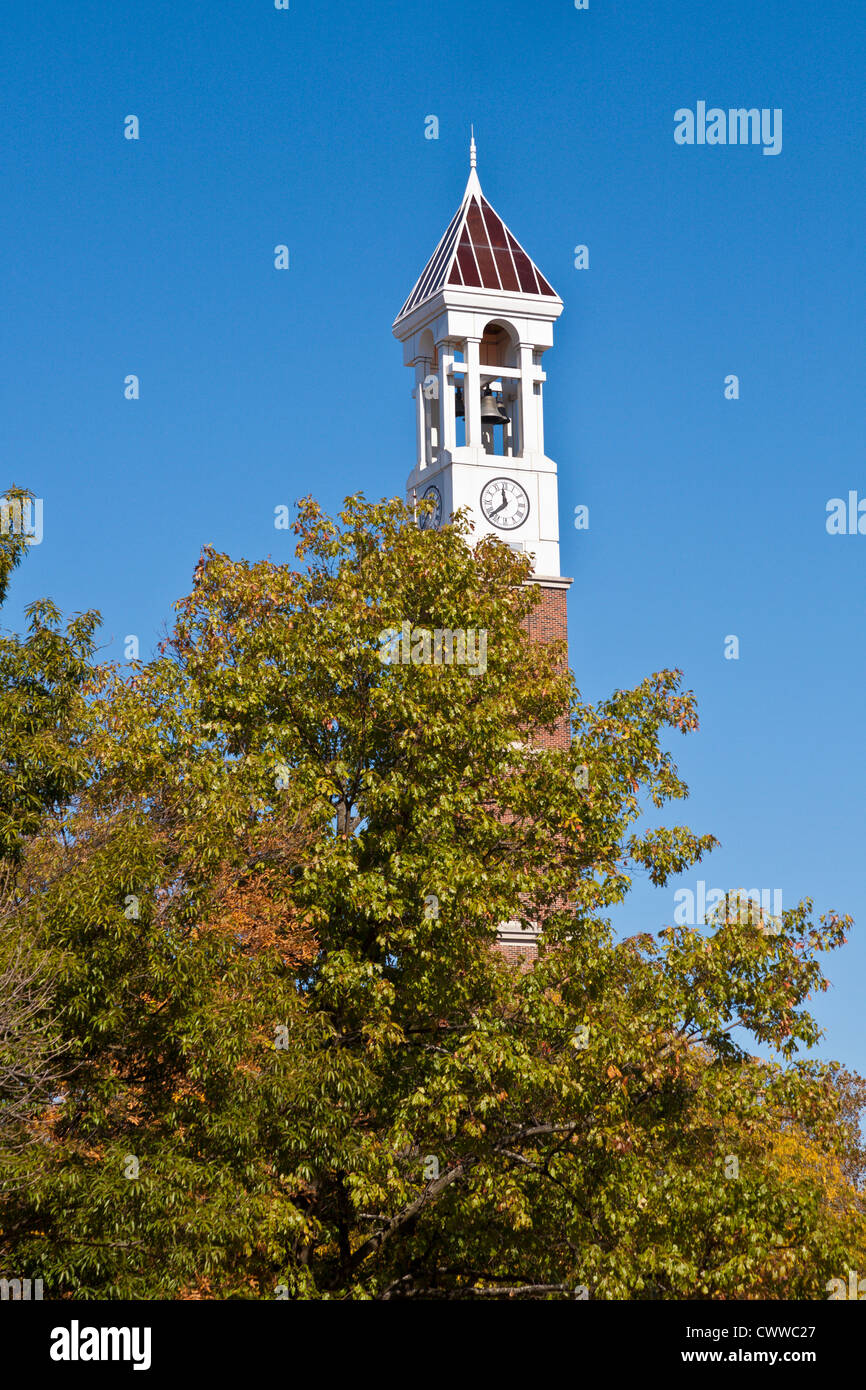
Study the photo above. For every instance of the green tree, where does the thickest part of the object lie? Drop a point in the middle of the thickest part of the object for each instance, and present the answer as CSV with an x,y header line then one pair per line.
x,y
272,916
43,722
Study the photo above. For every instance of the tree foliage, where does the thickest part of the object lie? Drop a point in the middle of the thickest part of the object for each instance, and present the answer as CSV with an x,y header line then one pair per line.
x,y
43,722
299,1065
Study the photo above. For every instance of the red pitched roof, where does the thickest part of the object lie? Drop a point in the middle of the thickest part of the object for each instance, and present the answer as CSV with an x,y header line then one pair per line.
x,y
477,251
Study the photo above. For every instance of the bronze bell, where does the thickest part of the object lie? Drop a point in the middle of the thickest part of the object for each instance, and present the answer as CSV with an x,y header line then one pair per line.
x,y
490,411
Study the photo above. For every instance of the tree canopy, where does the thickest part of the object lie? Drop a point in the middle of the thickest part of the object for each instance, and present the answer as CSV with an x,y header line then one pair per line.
x,y
267,869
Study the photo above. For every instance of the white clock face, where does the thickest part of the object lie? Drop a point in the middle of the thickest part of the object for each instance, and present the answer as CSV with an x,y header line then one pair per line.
x,y
430,520
504,503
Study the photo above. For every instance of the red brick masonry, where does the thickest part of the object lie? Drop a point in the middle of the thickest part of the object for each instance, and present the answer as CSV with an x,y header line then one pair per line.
x,y
547,623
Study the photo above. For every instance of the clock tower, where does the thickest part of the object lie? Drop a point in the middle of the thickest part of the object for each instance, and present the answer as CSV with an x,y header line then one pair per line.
x,y
474,329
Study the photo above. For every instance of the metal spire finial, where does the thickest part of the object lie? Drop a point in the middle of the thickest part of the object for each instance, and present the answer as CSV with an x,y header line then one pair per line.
x,y
472,153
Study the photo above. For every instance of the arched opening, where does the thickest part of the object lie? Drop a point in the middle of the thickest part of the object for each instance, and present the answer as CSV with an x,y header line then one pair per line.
x,y
500,425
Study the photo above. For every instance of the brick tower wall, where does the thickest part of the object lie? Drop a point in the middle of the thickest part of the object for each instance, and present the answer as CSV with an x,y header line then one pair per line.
x,y
548,622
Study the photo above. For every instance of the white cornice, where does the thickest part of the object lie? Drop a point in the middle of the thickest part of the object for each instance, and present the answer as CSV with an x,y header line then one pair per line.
x,y
504,302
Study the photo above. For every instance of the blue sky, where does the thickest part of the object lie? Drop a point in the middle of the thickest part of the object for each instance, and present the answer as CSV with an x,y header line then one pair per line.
x,y
306,127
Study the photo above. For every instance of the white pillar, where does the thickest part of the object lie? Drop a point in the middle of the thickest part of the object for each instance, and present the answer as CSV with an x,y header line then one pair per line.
x,y
530,434
421,413
447,423
472,393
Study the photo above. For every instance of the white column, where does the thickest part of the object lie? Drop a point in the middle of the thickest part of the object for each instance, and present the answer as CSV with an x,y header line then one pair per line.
x,y
530,435
421,413
472,393
447,423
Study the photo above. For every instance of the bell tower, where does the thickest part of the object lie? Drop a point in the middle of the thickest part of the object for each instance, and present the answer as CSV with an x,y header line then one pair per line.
x,y
474,329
